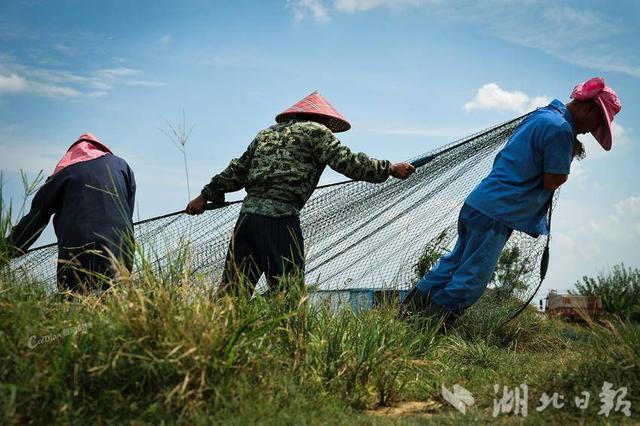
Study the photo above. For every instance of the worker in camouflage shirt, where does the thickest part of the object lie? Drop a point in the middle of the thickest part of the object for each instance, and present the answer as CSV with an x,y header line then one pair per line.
x,y
279,171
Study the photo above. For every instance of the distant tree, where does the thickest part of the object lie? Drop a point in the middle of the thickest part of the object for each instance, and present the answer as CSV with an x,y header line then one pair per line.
x,y
510,273
430,254
618,288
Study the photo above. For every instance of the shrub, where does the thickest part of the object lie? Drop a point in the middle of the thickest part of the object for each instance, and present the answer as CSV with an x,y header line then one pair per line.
x,y
619,289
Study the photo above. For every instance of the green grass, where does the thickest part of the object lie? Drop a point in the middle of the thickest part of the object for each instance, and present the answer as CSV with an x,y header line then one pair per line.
x,y
155,349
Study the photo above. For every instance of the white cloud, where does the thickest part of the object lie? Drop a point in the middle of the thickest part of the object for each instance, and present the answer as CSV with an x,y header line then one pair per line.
x,y
12,83
65,50
53,91
112,73
588,239
362,5
317,9
628,206
16,78
15,83
166,39
538,101
493,97
305,8
620,225
578,172
144,83
577,36
574,35
618,132
96,94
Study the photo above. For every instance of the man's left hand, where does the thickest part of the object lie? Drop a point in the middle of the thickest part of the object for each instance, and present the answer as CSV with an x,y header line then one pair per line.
x,y
402,170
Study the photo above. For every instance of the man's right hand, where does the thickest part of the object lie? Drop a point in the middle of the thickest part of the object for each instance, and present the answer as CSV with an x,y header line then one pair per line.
x,y
402,170
196,206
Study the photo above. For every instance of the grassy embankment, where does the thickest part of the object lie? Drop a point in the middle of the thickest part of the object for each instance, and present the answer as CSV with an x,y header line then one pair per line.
x,y
154,349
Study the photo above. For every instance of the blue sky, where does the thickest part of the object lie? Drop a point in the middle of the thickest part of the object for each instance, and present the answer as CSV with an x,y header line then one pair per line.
x,y
410,75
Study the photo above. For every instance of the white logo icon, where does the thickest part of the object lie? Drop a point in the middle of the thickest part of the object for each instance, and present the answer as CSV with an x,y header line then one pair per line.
x,y
460,398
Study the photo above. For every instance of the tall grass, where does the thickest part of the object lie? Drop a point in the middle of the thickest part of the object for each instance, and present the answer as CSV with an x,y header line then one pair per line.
x,y
161,350
612,355
159,347
154,347
486,321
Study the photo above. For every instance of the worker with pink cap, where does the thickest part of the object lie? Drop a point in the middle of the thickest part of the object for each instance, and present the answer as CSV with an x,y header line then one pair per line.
x,y
91,197
517,194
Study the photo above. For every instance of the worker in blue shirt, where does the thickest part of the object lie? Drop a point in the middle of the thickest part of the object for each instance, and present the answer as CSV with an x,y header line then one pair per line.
x,y
515,195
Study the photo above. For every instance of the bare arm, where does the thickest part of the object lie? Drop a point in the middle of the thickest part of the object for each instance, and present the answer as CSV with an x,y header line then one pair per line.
x,y
552,181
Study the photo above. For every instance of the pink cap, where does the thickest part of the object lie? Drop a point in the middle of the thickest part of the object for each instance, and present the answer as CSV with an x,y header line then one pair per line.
x,y
86,148
606,97
88,137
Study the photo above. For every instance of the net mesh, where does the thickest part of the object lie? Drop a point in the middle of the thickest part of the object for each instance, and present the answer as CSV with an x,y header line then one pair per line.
x,y
357,234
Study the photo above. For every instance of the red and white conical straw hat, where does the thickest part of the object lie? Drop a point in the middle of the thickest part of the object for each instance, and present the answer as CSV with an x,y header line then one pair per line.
x,y
316,108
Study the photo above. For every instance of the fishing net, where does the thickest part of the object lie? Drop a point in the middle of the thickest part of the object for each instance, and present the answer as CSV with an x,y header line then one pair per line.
x,y
357,234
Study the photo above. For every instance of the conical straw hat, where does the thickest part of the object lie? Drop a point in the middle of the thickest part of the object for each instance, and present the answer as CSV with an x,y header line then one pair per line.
x,y
316,108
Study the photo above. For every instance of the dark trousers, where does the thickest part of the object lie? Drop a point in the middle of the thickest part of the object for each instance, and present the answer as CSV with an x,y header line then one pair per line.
x,y
262,244
89,267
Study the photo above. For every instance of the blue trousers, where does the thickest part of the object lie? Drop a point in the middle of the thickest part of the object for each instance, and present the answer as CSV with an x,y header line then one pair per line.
x,y
459,279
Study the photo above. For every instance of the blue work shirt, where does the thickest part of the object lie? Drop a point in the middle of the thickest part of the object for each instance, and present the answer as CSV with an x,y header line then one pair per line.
x,y
513,193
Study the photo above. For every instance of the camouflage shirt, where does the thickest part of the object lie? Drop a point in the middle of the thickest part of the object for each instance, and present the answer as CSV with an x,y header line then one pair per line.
x,y
282,166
